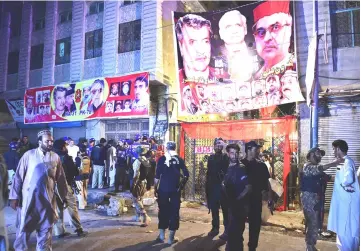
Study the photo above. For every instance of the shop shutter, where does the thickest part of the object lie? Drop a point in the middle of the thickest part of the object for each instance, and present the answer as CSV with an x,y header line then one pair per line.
x,y
126,129
75,133
340,121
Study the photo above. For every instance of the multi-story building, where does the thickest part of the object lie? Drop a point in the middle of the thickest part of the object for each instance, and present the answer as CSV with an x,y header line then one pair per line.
x,y
55,42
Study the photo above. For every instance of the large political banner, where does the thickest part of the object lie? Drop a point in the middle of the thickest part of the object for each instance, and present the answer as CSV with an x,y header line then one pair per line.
x,y
236,60
126,96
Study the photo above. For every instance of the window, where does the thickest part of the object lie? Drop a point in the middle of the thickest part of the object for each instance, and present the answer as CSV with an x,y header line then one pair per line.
x,y
13,62
39,24
129,36
93,44
63,48
96,7
129,2
65,16
36,60
345,26
345,21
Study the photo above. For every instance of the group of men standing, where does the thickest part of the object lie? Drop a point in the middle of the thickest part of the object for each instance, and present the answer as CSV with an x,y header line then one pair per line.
x,y
237,186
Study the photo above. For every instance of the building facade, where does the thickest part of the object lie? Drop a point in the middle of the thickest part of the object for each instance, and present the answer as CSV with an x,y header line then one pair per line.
x,y
51,43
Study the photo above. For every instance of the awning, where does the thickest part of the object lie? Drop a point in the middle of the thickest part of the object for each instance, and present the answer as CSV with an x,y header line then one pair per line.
x,y
66,124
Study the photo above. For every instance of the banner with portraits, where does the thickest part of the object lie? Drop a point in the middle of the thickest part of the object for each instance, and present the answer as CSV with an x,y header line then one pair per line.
x,y
236,60
16,108
125,96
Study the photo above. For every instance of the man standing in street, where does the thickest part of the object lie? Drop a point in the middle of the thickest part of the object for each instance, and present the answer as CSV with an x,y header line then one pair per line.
x,y
140,167
121,166
110,163
12,158
25,145
98,156
237,189
258,176
170,178
72,149
311,186
217,166
344,215
37,177
70,171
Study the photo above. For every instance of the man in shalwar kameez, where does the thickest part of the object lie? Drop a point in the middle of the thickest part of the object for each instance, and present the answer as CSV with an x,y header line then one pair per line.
x,y
344,216
38,177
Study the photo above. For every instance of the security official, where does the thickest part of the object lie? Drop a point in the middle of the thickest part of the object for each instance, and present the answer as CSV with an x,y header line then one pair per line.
x,y
258,176
171,177
216,169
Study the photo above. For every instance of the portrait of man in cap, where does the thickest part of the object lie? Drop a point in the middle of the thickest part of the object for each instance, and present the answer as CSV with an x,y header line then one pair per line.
x,y
70,107
272,32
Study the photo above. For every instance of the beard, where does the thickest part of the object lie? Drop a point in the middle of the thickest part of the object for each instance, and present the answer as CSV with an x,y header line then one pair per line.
x,y
45,148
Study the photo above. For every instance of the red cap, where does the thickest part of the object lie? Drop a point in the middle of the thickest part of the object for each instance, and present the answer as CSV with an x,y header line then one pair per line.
x,y
270,7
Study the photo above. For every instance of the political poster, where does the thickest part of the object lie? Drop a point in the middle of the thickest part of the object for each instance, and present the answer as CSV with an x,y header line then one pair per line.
x,y
125,96
236,60
16,108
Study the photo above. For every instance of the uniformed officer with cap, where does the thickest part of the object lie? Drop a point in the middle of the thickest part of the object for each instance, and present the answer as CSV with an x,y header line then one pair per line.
x,y
311,176
170,178
140,166
12,158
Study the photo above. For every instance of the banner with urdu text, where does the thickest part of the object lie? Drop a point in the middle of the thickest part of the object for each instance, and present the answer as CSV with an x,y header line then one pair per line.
x,y
236,60
125,96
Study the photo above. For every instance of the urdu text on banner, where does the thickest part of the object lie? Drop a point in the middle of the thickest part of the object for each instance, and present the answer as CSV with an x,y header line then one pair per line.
x,y
125,96
236,60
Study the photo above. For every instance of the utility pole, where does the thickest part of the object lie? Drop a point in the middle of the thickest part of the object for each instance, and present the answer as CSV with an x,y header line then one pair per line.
x,y
314,108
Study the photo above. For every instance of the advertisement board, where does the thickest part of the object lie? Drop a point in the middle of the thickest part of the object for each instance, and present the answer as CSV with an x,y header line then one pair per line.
x,y
16,108
125,96
236,60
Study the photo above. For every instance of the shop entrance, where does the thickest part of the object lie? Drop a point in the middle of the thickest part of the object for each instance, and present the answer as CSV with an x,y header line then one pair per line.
x,y
278,137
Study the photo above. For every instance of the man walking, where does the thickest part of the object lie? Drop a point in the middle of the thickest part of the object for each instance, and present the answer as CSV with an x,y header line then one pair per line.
x,y
237,189
167,188
70,171
98,156
344,216
37,177
216,170
311,186
12,158
83,163
258,176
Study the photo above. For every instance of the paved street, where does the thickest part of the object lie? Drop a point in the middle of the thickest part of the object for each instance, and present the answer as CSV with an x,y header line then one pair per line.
x,y
119,233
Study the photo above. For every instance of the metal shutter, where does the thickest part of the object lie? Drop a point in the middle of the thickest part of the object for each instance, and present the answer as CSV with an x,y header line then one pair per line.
x,y
342,122
75,133
126,129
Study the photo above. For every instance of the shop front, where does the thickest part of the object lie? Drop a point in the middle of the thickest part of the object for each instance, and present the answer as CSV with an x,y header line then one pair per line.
x,y
277,135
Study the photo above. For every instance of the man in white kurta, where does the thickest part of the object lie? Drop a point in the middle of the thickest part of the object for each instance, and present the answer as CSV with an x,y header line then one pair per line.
x,y
38,177
344,216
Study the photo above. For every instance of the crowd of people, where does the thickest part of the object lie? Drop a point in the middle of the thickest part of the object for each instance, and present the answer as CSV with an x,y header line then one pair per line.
x,y
54,177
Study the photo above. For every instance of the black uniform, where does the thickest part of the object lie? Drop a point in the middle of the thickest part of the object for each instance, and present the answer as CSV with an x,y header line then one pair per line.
x,y
120,168
168,191
235,183
216,169
258,176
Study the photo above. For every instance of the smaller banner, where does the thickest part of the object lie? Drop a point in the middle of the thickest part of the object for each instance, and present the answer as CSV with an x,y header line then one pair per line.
x,y
126,96
16,108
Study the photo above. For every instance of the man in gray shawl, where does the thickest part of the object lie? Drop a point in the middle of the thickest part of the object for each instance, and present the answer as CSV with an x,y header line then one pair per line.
x,y
38,178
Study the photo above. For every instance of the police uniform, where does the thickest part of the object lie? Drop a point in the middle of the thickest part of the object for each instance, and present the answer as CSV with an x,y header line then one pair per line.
x,y
311,187
120,172
235,183
172,175
217,166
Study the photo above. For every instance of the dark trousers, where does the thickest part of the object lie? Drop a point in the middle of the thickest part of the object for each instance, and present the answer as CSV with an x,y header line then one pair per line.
x,y
168,214
120,177
223,204
254,222
237,220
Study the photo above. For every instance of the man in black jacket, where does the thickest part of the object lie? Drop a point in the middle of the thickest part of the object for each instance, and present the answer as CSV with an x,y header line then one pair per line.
x,y
70,201
216,169
98,157
258,176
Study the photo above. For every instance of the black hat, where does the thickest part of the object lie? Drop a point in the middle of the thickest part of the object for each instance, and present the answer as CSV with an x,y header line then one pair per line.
x,y
251,144
70,90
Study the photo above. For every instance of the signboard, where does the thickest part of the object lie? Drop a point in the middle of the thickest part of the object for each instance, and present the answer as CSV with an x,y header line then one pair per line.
x,y
204,149
16,108
90,99
237,60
